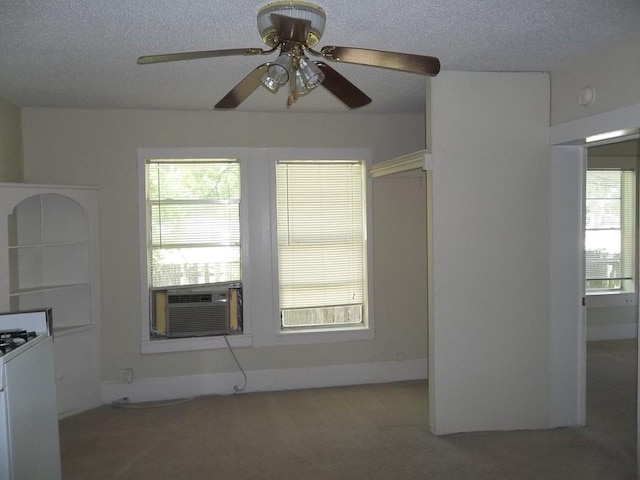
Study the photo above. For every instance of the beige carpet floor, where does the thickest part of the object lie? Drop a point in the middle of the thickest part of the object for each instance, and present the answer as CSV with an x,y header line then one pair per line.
x,y
374,432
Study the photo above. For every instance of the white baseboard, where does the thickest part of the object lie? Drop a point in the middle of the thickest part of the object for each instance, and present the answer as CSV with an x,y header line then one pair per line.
x,y
153,389
612,332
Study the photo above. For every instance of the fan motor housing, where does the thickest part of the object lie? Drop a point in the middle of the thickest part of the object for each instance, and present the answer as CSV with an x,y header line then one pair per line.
x,y
294,9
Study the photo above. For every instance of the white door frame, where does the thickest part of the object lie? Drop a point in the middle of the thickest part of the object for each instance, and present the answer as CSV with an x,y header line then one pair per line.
x,y
566,273
568,144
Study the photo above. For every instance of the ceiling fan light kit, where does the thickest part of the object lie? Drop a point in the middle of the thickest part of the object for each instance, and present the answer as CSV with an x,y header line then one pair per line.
x,y
298,71
295,27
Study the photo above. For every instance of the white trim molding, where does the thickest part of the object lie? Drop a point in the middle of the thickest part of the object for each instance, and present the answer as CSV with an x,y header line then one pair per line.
x,y
576,131
413,161
187,386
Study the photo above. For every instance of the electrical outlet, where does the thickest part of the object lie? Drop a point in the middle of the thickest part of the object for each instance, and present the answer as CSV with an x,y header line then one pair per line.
x,y
126,375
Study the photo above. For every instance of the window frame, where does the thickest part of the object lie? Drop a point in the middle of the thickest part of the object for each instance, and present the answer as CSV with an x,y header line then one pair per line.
x,y
357,169
148,344
618,297
332,333
160,203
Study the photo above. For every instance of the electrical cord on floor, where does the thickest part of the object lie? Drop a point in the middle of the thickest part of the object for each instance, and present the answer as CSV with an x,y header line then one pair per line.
x,y
235,387
124,402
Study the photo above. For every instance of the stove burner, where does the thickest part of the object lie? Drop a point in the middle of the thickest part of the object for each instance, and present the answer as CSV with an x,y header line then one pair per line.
x,y
12,339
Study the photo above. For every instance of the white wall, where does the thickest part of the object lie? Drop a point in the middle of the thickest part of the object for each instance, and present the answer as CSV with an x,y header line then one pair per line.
x,y
400,218
10,142
489,312
100,148
613,72
612,323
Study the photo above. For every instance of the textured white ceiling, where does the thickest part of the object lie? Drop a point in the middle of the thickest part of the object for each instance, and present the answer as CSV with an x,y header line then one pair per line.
x,y
82,54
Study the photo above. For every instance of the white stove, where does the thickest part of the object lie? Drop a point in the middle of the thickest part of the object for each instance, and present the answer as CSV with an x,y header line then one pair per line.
x,y
29,439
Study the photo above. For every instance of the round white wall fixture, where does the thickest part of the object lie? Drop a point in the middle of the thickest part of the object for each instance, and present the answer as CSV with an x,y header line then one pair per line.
x,y
586,96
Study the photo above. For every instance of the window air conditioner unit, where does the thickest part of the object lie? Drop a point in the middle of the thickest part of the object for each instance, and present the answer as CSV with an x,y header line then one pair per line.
x,y
194,312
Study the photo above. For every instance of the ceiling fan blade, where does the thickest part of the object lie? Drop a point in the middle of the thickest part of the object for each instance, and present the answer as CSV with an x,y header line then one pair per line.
x,y
404,62
291,29
243,89
342,88
174,57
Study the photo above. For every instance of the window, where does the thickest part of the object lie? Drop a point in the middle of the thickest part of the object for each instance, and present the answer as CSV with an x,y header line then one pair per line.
x,y
610,227
212,218
193,221
321,231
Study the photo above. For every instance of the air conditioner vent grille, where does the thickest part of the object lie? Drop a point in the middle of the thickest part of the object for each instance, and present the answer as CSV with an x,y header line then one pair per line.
x,y
190,298
204,320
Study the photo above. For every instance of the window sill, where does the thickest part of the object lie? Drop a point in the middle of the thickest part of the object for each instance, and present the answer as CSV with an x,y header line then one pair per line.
x,y
193,344
293,337
333,335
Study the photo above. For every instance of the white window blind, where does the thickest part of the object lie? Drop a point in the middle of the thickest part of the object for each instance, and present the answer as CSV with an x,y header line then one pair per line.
x,y
193,221
610,231
321,242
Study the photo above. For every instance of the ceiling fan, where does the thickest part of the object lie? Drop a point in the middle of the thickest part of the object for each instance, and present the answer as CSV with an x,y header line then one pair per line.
x,y
295,27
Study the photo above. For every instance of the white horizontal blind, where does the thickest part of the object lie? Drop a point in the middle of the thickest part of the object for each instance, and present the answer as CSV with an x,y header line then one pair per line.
x,y
193,221
321,235
609,235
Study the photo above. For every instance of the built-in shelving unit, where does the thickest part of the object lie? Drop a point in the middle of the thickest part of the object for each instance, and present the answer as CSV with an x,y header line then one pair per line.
x,y
49,257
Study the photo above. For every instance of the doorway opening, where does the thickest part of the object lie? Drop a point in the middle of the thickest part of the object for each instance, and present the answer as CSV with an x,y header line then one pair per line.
x,y
611,286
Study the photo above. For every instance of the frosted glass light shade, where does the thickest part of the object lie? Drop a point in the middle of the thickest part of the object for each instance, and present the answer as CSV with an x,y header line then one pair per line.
x,y
310,73
294,9
300,86
277,73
